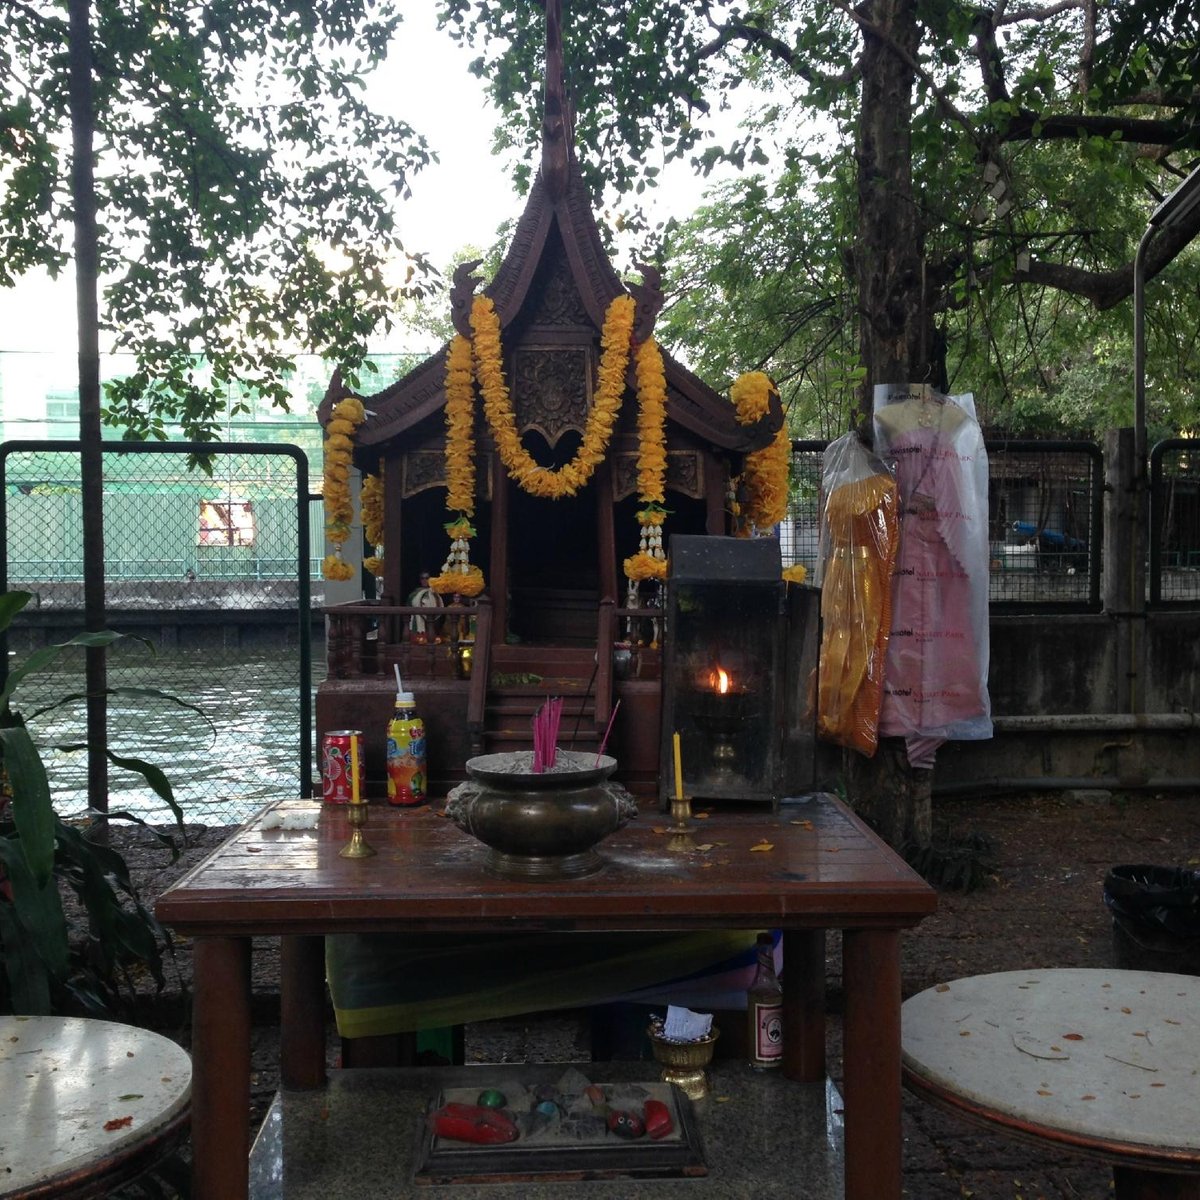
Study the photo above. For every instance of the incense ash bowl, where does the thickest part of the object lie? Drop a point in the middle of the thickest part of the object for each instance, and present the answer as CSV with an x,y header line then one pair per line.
x,y
541,825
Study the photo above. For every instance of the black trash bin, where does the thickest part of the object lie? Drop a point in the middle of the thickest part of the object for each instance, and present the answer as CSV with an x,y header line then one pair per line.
x,y
1156,918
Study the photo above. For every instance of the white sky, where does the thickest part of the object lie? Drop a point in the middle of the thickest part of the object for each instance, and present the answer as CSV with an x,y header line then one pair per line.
x,y
460,201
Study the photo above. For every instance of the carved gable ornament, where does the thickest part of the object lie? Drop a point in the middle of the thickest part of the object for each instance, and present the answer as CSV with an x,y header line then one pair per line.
x,y
552,389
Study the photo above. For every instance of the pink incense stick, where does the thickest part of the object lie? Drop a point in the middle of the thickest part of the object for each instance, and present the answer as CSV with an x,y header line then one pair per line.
x,y
607,731
553,720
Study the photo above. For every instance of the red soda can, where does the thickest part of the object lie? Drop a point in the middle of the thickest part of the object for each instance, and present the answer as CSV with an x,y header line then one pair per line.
x,y
343,771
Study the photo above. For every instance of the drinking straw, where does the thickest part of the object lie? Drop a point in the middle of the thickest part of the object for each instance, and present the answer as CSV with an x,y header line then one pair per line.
x,y
607,731
399,685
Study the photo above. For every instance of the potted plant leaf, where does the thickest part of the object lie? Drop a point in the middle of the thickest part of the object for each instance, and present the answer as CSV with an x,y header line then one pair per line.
x,y
57,956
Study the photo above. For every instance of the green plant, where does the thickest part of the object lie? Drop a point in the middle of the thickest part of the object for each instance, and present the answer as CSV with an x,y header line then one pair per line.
x,y
57,955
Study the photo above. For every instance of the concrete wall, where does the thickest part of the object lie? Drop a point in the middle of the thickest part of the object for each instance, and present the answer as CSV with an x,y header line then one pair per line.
x,y
1054,686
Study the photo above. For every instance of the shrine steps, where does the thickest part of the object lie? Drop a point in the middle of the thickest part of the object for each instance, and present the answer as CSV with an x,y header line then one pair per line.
x,y
510,711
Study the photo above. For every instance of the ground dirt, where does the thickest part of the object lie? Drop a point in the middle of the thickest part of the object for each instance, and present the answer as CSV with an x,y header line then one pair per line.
x,y
1040,905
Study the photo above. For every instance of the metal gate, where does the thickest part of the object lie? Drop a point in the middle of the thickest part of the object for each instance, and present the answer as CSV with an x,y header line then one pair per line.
x,y
209,571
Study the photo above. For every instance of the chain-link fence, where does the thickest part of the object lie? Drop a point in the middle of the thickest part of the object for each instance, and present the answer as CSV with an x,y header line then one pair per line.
x,y
1045,516
1044,520
1175,522
208,573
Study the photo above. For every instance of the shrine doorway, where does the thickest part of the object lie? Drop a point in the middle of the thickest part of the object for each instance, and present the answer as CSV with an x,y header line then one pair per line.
x,y
553,568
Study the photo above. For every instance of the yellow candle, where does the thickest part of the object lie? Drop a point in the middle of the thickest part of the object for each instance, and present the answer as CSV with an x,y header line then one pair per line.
x,y
354,796
678,769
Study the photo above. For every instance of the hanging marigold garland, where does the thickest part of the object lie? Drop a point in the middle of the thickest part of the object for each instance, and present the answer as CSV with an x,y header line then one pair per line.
x,y
650,562
765,478
371,502
458,576
606,402
482,356
460,420
348,414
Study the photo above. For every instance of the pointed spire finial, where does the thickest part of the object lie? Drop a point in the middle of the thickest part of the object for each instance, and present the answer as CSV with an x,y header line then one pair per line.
x,y
556,131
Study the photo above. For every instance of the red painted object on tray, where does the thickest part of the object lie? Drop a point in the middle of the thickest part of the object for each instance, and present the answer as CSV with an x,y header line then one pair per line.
x,y
473,1123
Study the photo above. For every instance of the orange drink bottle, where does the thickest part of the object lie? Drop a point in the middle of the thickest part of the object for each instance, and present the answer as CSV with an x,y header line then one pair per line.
x,y
406,773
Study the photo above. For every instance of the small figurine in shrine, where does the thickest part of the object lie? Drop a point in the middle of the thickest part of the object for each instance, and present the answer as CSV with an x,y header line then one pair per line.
x,y
423,629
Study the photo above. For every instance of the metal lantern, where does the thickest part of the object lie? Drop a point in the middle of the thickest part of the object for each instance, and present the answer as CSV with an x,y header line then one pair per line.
x,y
723,669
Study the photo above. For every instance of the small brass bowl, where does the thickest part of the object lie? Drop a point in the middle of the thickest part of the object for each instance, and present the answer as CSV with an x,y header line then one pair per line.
x,y
685,1063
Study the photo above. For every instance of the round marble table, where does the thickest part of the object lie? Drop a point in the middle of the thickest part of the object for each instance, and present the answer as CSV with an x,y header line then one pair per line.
x,y
1106,1063
87,1104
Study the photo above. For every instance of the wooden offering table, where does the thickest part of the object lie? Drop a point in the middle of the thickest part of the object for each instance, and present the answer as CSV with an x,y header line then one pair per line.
x,y
811,867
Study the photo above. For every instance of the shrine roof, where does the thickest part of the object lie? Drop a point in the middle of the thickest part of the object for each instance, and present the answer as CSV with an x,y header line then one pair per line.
x,y
558,200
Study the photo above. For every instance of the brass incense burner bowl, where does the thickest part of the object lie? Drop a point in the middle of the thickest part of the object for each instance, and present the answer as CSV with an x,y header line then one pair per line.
x,y
541,825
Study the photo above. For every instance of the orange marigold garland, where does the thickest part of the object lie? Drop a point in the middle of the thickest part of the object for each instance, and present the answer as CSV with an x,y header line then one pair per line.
x,y
348,414
765,479
460,420
529,475
650,562
371,503
458,575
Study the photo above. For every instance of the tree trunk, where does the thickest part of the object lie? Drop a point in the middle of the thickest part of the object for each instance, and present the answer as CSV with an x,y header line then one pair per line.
x,y
896,339
891,796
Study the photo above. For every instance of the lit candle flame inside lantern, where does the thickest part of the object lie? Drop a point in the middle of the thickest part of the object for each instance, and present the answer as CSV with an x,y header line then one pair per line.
x,y
720,680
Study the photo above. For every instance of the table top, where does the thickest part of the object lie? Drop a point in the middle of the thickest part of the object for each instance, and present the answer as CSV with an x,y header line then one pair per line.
x,y
79,1092
1106,1061
811,865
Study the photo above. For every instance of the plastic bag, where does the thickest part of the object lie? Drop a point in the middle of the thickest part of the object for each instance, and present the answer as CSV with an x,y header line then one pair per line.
x,y
937,660
858,546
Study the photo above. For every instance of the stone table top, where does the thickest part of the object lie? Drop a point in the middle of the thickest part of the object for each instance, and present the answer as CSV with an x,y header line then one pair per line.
x,y
1107,1061
80,1094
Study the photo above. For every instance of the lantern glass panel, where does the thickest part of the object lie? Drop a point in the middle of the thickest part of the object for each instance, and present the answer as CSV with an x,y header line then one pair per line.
x,y
721,666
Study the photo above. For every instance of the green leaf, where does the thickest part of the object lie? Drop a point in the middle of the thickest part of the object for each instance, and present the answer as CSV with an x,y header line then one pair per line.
x,y
28,979
42,658
37,909
11,603
155,777
33,813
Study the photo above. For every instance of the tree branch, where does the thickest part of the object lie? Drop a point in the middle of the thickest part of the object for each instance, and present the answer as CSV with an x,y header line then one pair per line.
x,y
1106,289
1087,51
54,25
751,35
991,62
1030,126
944,102
1037,14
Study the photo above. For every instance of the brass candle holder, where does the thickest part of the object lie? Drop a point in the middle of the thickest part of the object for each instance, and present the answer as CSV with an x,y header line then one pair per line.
x,y
680,828
357,846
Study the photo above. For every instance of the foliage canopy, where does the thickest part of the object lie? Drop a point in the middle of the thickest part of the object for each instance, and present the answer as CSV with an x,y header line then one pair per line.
x,y
951,189
246,188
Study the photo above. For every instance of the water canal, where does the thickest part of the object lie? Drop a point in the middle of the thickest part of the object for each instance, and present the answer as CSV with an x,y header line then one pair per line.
x,y
224,727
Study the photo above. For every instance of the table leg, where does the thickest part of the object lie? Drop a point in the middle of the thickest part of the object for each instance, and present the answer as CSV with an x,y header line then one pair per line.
x,y
220,1068
871,1063
1130,1183
804,1005
302,1012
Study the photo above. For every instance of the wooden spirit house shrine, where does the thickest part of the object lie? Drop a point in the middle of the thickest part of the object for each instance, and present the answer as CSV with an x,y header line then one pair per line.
x,y
557,616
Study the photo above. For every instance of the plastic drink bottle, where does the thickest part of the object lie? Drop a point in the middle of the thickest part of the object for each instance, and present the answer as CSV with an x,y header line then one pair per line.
x,y
406,772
